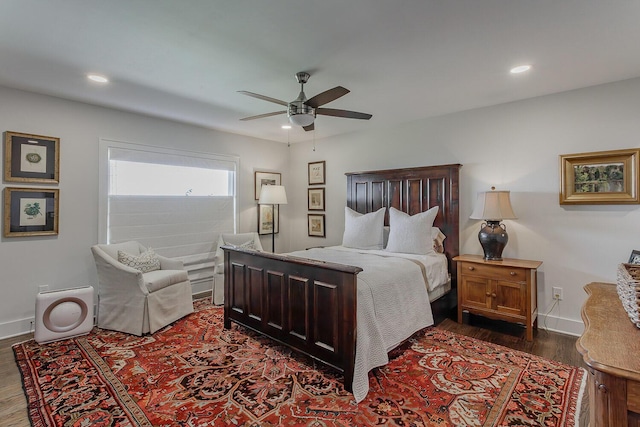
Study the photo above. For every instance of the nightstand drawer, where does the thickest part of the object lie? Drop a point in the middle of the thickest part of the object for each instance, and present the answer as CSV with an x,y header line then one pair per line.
x,y
496,272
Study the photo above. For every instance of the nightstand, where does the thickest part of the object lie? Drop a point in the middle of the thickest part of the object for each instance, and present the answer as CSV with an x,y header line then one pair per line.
x,y
503,290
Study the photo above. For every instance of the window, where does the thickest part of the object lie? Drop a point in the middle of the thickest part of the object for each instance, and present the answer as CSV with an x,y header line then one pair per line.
x,y
176,202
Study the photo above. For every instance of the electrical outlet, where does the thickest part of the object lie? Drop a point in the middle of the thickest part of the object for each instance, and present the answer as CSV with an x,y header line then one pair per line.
x,y
557,293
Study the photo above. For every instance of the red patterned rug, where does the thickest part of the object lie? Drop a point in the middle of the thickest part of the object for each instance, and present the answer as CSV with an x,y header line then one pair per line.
x,y
195,373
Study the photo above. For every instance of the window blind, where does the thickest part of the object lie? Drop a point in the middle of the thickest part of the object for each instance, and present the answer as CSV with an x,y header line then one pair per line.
x,y
184,227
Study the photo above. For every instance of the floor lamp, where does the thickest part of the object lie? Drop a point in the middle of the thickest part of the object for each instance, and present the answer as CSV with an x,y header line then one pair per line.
x,y
273,195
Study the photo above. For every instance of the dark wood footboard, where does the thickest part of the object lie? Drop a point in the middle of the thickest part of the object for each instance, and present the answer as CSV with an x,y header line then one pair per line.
x,y
307,305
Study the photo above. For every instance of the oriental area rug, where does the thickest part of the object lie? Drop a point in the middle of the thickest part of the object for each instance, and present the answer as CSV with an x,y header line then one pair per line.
x,y
195,373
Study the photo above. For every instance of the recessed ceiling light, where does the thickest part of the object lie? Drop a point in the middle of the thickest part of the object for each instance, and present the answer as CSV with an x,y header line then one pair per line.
x,y
97,78
286,126
520,69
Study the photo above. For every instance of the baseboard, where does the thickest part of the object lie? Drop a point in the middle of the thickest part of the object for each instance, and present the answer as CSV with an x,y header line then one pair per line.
x,y
201,287
560,324
27,325
17,327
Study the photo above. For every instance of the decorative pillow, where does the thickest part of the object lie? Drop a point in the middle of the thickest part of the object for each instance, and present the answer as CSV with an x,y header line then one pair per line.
x,y
363,231
145,262
438,240
219,268
411,234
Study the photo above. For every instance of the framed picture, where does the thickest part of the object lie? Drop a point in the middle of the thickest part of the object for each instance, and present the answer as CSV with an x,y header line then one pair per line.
x,y
316,172
265,178
603,177
635,257
315,199
30,212
316,225
31,158
265,218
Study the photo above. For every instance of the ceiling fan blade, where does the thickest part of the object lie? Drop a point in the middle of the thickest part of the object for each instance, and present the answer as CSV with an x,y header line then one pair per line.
x,y
343,113
263,97
327,96
308,128
260,116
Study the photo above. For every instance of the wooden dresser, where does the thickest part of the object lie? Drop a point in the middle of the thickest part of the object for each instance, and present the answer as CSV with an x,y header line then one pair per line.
x,y
504,290
610,346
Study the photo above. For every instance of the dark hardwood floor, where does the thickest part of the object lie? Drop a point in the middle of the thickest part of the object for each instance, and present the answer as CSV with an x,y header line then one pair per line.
x,y
551,345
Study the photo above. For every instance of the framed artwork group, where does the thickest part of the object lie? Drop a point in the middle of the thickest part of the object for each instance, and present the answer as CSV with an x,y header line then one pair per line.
x,y
316,199
30,159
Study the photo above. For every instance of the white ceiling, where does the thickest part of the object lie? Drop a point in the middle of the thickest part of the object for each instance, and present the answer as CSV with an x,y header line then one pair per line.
x,y
403,60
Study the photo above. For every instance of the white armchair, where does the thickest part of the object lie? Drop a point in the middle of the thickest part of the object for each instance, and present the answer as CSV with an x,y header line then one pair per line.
x,y
243,240
135,302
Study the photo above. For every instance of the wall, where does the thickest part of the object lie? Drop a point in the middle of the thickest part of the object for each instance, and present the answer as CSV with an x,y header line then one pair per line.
x,y
65,261
514,147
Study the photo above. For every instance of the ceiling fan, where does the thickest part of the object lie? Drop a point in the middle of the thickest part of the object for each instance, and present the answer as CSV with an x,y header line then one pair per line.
x,y
303,111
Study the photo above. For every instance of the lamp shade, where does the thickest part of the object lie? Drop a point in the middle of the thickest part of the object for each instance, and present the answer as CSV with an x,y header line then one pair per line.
x,y
272,195
493,205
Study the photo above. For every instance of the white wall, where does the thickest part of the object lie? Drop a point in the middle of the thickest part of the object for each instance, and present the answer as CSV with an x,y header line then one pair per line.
x,y
515,147
512,146
65,261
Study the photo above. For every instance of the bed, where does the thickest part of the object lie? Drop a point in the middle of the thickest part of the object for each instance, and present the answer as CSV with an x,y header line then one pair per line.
x,y
311,305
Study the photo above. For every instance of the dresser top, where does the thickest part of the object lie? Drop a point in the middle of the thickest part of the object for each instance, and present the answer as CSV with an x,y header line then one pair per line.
x,y
507,262
610,342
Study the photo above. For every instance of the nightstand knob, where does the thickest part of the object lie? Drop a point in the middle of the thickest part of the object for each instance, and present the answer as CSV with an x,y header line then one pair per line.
x,y
602,388
494,295
471,268
488,294
513,273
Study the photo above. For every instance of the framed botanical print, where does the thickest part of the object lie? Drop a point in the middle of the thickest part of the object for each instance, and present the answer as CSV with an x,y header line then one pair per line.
x,y
30,212
31,158
315,199
265,178
316,225
316,173
266,216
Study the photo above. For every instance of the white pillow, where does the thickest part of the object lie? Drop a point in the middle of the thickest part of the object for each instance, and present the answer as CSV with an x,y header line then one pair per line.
x,y
438,239
363,231
411,234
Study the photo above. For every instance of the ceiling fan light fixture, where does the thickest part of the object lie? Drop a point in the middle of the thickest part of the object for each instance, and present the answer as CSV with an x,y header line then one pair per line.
x,y
301,114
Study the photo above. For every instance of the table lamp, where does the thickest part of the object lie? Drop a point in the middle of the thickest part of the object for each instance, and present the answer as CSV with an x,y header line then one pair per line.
x,y
492,207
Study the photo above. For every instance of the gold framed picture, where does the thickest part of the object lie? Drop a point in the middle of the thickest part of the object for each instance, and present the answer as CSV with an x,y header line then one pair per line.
x,y
30,211
31,158
603,177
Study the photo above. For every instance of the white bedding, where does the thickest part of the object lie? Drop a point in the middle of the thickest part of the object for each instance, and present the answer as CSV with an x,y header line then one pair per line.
x,y
393,301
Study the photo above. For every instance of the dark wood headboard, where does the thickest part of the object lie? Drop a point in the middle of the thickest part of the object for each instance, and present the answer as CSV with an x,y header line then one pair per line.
x,y
412,190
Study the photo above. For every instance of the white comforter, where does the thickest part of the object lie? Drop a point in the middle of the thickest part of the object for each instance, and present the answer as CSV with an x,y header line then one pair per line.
x,y
393,302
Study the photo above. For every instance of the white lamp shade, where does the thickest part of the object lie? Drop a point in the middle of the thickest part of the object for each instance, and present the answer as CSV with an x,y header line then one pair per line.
x,y
493,206
272,195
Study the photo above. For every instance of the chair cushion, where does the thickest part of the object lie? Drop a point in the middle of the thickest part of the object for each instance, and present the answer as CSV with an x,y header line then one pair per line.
x,y
160,279
145,262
